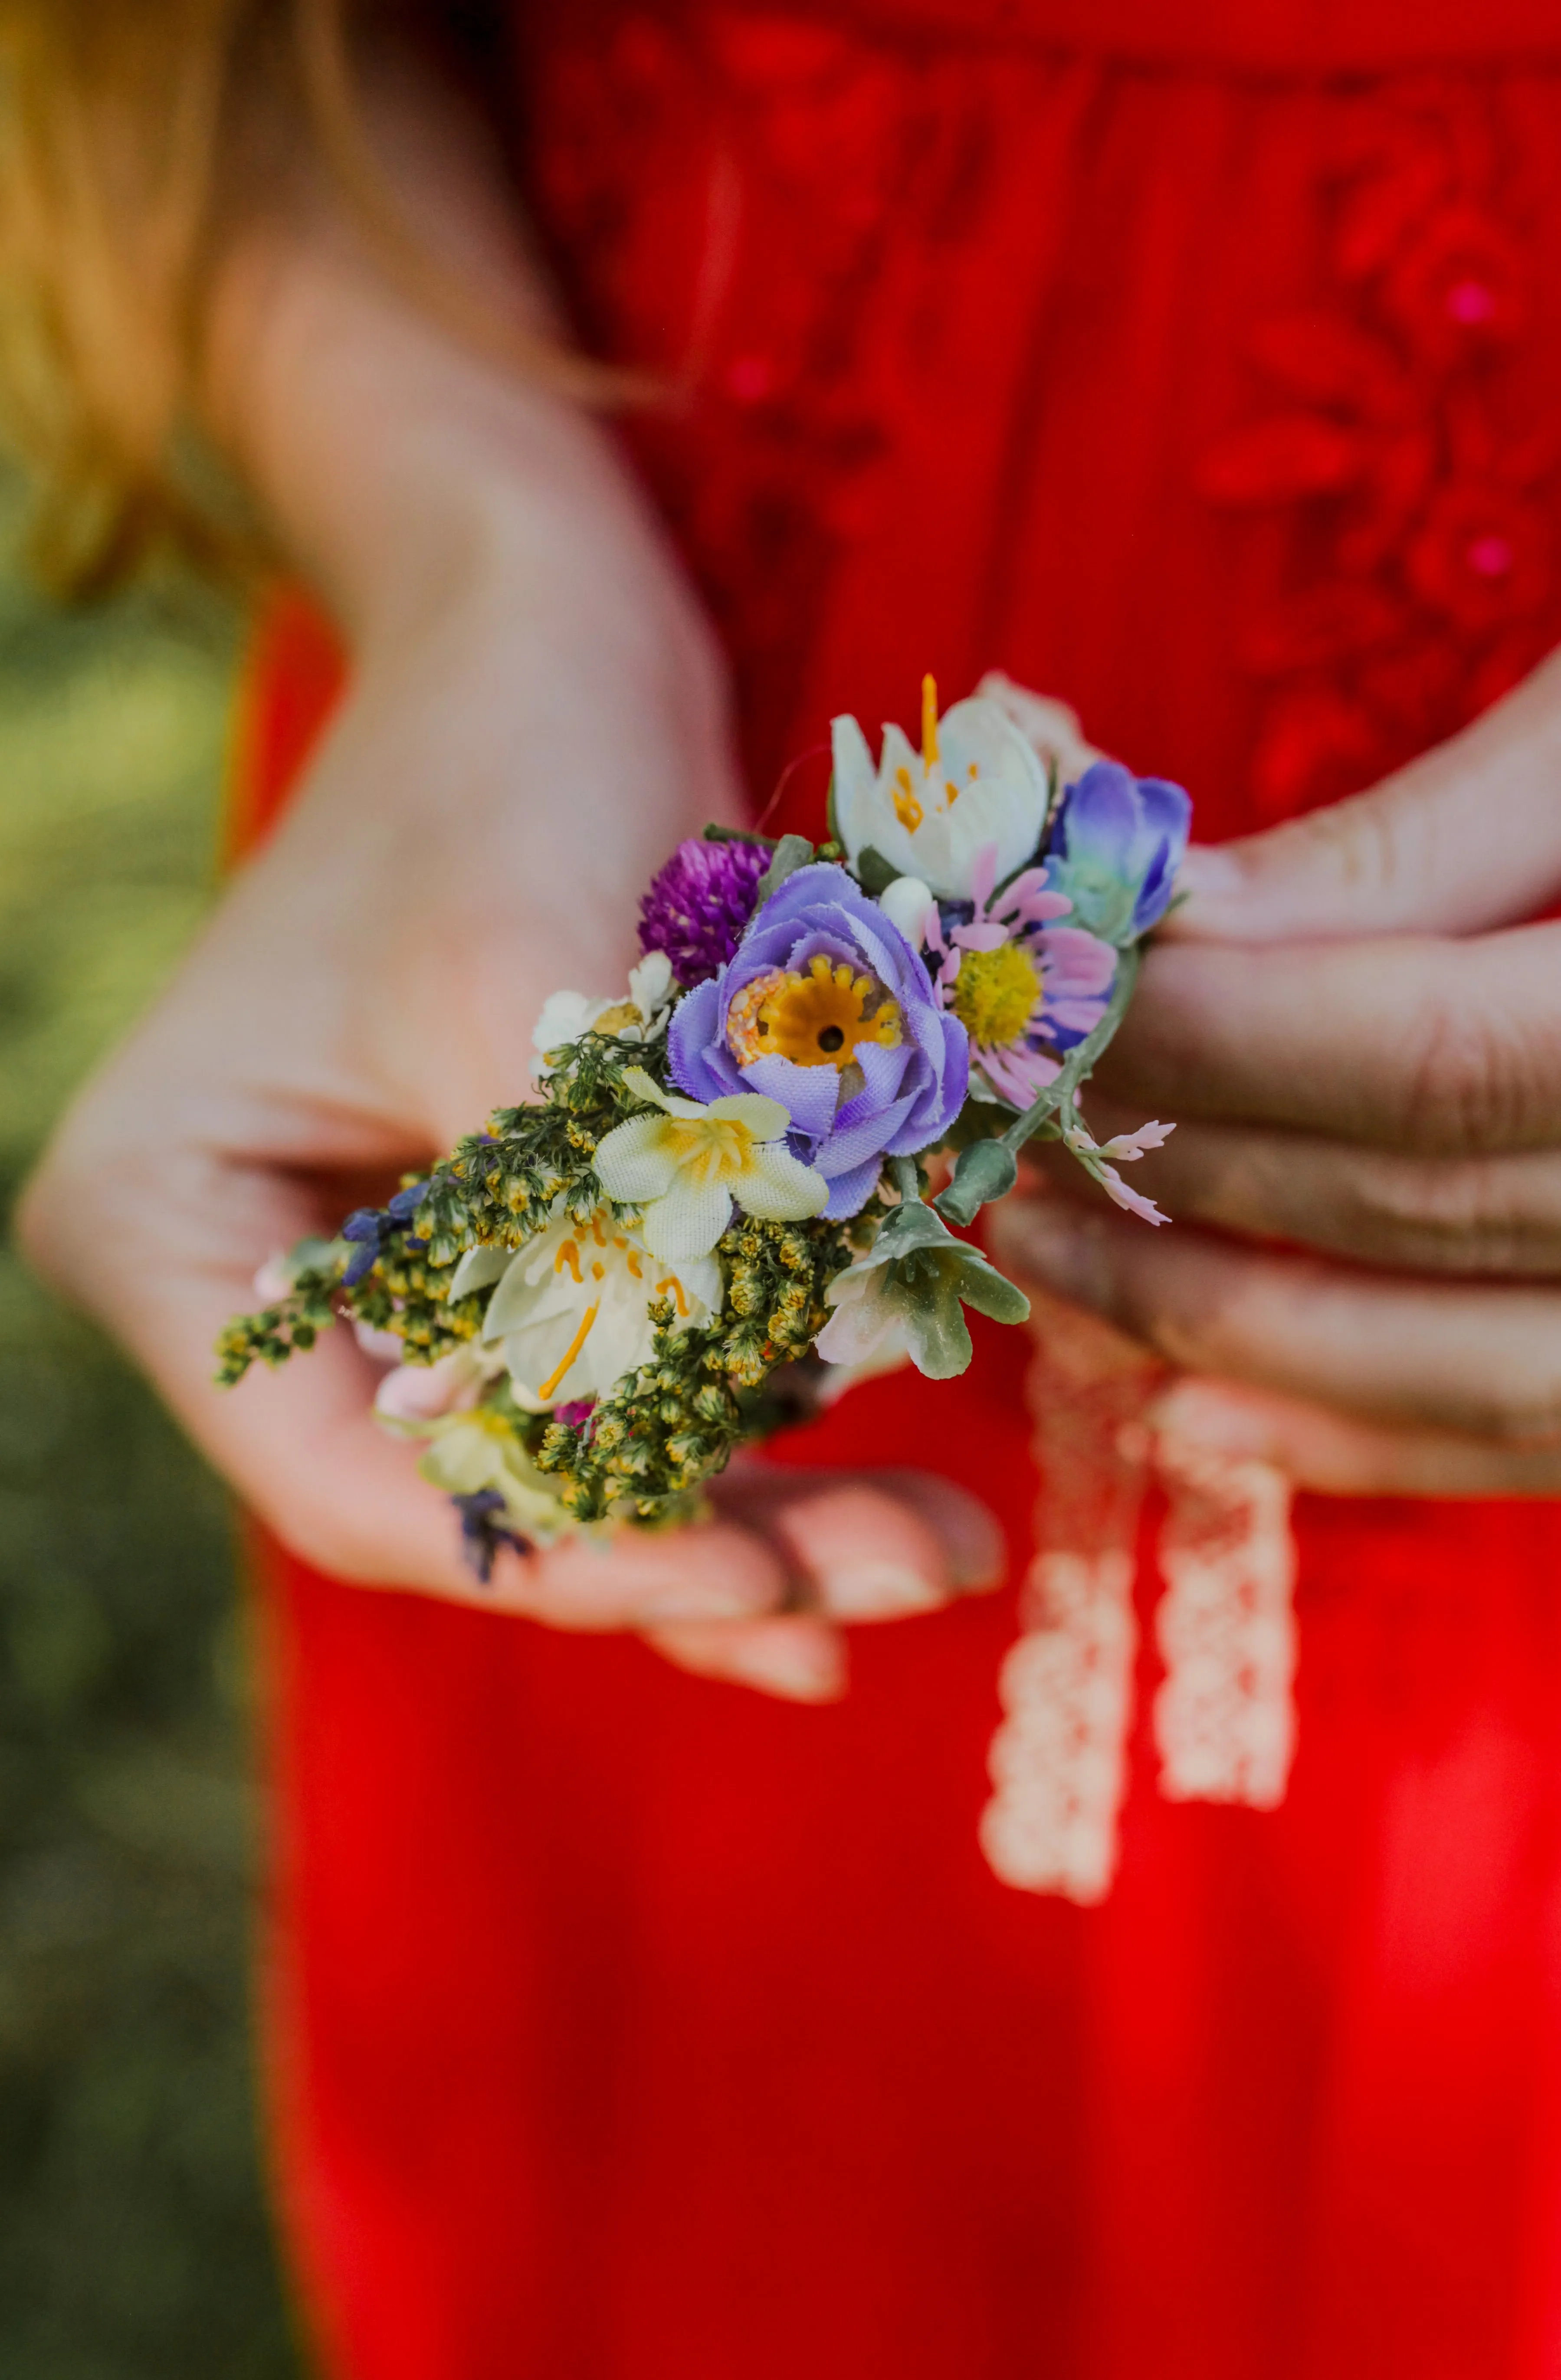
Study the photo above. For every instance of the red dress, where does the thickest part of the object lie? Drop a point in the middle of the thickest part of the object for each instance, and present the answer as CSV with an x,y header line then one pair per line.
x,y
1201,363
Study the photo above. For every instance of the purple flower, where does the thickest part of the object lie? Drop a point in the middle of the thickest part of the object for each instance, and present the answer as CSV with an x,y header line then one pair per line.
x,y
1023,986
697,907
484,1534
827,1008
372,1227
1115,848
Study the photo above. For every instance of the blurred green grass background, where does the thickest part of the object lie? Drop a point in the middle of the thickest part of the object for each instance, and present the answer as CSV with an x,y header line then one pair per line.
x,y
134,2243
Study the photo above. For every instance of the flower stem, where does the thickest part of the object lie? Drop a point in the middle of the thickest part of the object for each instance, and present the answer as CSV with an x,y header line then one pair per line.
x,y
1080,1063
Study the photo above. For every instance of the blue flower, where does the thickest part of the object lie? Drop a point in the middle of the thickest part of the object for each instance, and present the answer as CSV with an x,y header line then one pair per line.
x,y
485,1531
1115,848
827,1008
370,1227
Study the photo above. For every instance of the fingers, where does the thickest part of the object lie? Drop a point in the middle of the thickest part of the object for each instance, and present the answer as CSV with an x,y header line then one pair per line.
x,y
801,1659
1336,1455
1484,1361
1414,1043
1466,838
881,1547
1494,1215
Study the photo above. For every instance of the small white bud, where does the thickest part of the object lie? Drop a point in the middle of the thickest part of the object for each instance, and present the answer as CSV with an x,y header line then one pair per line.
x,y
906,902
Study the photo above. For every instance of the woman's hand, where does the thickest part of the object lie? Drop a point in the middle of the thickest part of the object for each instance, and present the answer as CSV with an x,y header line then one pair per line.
x,y
537,717
1360,1039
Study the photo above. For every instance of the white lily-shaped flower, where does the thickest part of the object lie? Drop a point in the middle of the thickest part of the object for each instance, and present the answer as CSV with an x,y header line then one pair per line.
x,y
572,1308
685,1168
976,782
567,1016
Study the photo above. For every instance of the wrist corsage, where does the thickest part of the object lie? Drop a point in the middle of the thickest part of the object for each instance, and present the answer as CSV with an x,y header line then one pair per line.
x,y
720,1208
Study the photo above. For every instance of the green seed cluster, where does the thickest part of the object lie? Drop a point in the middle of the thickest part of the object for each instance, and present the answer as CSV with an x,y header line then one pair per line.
x,y
290,1327
668,1426
675,1422
498,1188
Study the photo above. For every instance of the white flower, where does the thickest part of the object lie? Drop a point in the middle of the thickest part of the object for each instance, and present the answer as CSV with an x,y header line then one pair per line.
x,y
684,1168
651,987
976,782
567,1017
905,903
469,1452
572,1310
1051,728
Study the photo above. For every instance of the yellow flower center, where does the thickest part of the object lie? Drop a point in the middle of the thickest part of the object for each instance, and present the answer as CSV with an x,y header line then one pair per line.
x,y
995,992
817,1018
909,808
711,1149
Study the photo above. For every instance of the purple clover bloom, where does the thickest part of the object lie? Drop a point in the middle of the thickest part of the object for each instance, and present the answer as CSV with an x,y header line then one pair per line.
x,y
1115,848
698,907
866,1098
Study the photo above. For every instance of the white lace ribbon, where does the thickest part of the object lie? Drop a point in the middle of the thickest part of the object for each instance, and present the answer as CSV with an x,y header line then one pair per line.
x,y
1224,1720
1059,1761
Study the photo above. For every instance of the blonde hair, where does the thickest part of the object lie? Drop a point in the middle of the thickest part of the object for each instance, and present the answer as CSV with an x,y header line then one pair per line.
x,y
116,115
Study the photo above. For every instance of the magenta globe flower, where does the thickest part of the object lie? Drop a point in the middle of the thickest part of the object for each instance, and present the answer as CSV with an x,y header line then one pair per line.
x,y
698,904
825,1007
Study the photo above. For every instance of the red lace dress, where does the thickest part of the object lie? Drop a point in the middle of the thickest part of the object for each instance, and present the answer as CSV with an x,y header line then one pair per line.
x,y
1202,364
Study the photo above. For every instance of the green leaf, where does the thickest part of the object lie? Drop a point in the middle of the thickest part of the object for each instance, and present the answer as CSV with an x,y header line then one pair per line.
x,y
874,872
992,1294
941,1346
739,834
792,852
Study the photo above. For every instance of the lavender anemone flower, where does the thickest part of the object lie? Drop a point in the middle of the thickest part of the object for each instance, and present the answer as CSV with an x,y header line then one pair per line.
x,y
828,1009
697,907
1115,848
1023,986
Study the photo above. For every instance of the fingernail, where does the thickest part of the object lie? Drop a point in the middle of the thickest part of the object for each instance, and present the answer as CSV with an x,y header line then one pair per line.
x,y
1195,1415
698,1599
805,1666
876,1591
972,1543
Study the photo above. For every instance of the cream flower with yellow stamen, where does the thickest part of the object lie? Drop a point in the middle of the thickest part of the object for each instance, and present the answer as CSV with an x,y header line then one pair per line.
x,y
977,781
469,1453
572,1309
685,1167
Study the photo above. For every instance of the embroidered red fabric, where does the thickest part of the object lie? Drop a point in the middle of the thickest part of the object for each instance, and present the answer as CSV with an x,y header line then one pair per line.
x,y
1201,364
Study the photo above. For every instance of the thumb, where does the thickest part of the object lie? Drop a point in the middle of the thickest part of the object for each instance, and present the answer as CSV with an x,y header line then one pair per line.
x,y
1462,839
